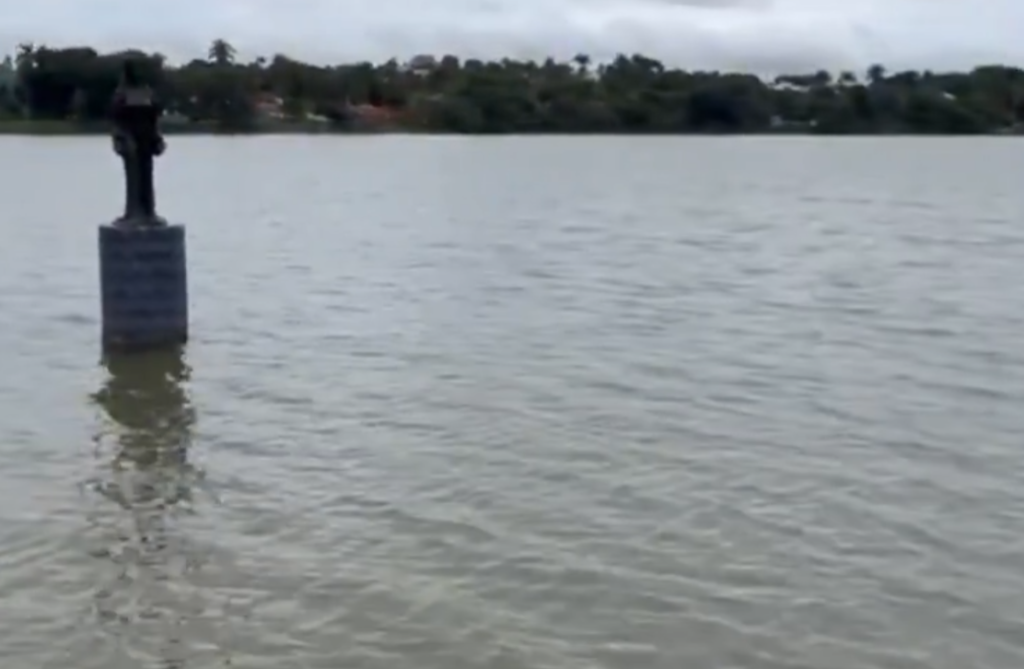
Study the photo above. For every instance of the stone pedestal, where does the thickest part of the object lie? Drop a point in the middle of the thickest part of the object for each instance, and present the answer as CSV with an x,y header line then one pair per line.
x,y
143,285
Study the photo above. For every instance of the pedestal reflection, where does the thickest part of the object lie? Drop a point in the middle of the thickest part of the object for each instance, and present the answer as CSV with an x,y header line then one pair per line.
x,y
150,419
145,488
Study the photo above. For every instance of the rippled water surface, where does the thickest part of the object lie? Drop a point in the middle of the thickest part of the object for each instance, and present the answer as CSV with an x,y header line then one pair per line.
x,y
523,403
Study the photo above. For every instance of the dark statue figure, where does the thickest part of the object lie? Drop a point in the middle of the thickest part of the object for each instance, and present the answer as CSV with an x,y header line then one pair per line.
x,y
136,113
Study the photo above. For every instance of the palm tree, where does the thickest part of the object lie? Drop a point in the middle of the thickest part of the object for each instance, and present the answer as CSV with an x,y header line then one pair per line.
x,y
221,52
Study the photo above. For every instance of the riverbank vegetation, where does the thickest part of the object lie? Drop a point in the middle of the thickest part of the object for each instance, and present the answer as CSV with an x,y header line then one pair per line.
x,y
65,90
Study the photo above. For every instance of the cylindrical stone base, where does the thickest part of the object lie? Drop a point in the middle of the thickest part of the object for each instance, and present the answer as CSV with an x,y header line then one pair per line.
x,y
143,286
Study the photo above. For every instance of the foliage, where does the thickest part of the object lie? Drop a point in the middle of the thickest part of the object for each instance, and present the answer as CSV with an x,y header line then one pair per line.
x,y
630,94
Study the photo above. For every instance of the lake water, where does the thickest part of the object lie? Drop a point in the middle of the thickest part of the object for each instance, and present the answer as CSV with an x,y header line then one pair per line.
x,y
523,403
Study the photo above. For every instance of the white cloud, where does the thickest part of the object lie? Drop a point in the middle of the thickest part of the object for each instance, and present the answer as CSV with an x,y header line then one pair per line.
x,y
760,35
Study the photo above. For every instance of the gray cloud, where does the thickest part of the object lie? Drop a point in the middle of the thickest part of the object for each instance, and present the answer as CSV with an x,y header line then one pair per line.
x,y
756,35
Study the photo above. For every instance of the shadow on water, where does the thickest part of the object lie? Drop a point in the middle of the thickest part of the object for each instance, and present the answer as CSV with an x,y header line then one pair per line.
x,y
144,490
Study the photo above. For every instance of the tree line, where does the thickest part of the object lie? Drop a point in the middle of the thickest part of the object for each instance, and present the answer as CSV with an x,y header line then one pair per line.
x,y
630,94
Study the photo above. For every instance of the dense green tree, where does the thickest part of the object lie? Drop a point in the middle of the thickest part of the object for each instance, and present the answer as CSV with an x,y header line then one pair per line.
x,y
629,94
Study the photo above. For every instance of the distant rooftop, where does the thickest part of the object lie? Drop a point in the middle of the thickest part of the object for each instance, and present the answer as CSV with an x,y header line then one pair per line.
x,y
422,62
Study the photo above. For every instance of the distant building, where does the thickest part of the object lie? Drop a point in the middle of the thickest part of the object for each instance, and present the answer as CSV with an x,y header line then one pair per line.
x,y
269,106
374,114
789,86
367,116
422,65
175,118
783,124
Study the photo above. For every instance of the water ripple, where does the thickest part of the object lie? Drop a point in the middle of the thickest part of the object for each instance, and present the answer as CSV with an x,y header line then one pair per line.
x,y
728,403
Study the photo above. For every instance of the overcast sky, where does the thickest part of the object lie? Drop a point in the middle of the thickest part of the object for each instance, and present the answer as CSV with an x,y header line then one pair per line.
x,y
754,35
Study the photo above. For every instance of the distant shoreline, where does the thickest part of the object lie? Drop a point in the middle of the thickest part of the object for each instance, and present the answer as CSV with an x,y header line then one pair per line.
x,y
451,95
39,128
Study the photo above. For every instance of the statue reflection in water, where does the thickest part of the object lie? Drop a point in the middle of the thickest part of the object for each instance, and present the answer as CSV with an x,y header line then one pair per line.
x,y
145,398
147,476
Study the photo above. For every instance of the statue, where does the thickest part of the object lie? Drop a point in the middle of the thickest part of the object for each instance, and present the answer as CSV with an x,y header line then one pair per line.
x,y
143,274
136,137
